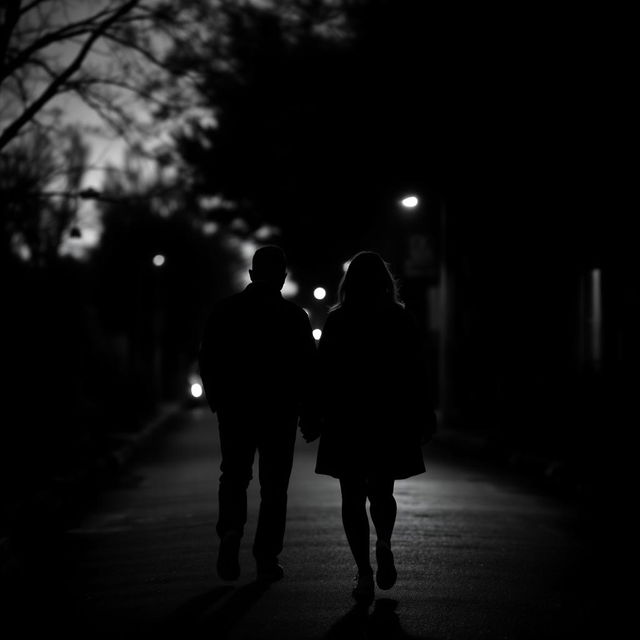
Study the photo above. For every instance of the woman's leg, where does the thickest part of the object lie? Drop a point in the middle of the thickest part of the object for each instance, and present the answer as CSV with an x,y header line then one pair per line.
x,y
382,507
355,520
383,513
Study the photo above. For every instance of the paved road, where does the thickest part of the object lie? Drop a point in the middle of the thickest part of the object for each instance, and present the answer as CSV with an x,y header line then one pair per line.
x,y
480,555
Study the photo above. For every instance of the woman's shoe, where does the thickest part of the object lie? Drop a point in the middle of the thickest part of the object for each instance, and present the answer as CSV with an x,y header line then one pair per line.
x,y
364,590
386,574
270,571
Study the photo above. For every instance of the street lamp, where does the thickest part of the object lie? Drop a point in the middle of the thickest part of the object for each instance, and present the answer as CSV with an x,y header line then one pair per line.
x,y
409,202
423,224
158,261
319,293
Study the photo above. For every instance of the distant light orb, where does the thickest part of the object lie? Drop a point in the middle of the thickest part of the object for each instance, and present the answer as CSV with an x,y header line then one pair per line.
x,y
409,202
317,334
158,260
196,390
319,293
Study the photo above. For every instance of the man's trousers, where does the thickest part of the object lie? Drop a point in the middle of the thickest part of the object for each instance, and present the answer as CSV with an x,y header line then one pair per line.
x,y
273,438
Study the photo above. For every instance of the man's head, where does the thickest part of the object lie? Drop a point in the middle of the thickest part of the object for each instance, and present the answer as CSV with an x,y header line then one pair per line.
x,y
269,266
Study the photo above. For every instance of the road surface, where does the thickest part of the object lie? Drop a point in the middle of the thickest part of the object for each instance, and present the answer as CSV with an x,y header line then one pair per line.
x,y
481,554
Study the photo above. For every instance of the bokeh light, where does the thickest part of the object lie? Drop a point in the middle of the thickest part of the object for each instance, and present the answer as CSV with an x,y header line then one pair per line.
x,y
409,202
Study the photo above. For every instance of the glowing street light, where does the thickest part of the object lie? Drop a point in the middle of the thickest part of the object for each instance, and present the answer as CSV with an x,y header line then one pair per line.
x,y
319,293
317,333
196,390
158,260
409,202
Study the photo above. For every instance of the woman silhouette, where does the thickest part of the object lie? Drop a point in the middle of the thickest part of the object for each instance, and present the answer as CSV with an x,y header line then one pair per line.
x,y
375,411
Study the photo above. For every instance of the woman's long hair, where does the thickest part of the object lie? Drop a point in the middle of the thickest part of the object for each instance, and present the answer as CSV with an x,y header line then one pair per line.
x,y
368,279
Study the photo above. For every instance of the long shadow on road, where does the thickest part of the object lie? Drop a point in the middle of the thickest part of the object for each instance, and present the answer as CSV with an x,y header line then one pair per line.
x,y
213,613
383,623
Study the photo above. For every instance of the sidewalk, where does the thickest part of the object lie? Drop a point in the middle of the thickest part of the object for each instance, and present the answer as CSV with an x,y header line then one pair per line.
x,y
555,474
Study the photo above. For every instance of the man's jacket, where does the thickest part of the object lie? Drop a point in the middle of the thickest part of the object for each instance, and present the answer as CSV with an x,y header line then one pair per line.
x,y
257,353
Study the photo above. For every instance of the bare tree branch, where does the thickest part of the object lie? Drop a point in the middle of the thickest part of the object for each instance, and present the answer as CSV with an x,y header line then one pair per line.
x,y
43,64
11,16
105,115
133,46
67,32
82,83
10,131
31,5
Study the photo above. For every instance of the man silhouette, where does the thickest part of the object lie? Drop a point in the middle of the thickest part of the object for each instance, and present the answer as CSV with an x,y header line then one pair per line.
x,y
256,361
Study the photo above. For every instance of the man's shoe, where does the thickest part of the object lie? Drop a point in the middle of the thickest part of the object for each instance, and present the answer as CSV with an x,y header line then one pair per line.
x,y
270,571
228,565
364,590
386,574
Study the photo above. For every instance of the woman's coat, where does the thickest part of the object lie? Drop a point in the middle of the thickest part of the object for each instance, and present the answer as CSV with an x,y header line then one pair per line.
x,y
375,400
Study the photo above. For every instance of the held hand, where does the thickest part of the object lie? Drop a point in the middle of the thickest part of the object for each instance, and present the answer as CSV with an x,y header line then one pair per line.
x,y
425,438
310,437
429,428
309,434
310,429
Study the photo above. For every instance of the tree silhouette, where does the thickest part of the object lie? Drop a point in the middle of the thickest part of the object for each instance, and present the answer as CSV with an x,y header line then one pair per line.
x,y
40,174
107,55
321,134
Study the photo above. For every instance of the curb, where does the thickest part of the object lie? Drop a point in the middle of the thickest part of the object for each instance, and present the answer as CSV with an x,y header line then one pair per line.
x,y
130,444
556,474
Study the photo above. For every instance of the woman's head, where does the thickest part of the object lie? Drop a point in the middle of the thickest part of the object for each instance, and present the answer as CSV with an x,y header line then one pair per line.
x,y
368,279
